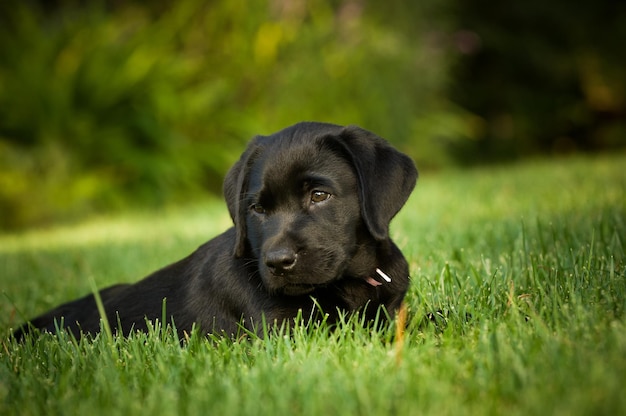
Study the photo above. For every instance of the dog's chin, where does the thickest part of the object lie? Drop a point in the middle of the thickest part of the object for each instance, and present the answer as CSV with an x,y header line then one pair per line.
x,y
290,289
296,290
291,284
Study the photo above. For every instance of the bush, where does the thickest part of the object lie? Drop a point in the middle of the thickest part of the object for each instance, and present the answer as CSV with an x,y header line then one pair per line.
x,y
116,105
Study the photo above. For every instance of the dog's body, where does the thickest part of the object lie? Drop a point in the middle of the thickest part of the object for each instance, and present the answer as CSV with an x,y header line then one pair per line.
x,y
311,206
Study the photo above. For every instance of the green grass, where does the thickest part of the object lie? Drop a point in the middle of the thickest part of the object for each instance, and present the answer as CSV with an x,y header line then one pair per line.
x,y
525,263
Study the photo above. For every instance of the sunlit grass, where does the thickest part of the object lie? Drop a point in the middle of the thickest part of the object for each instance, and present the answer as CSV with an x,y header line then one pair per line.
x,y
517,306
187,223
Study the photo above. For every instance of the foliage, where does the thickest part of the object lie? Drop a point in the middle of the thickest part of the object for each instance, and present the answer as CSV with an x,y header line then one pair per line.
x,y
540,77
517,306
110,103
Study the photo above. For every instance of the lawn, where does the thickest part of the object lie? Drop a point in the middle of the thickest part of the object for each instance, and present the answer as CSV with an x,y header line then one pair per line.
x,y
517,306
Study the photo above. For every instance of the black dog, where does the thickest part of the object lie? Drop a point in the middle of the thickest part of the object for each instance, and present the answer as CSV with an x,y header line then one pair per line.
x,y
311,206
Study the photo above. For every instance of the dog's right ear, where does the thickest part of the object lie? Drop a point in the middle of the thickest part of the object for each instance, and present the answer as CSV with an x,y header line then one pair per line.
x,y
386,177
235,188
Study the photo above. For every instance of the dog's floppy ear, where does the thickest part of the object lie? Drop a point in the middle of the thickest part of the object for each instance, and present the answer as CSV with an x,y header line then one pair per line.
x,y
386,178
235,188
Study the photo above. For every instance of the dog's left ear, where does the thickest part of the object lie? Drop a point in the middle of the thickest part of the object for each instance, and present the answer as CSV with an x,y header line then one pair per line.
x,y
386,177
235,188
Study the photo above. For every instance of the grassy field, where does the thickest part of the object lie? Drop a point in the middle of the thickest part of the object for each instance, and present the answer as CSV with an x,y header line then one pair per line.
x,y
521,268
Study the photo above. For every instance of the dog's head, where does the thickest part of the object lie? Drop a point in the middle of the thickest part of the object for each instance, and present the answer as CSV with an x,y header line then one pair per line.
x,y
306,199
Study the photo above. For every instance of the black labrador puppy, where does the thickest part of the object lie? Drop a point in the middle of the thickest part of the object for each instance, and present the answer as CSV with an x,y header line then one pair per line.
x,y
311,206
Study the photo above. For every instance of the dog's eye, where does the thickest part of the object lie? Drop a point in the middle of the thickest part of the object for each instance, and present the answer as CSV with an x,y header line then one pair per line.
x,y
319,196
258,208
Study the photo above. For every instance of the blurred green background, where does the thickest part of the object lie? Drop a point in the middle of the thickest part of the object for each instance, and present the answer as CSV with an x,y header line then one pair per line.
x,y
107,105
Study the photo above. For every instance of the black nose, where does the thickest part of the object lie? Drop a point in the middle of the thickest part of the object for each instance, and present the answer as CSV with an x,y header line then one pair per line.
x,y
281,260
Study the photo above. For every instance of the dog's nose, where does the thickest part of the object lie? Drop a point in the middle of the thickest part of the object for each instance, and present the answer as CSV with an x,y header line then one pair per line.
x,y
281,260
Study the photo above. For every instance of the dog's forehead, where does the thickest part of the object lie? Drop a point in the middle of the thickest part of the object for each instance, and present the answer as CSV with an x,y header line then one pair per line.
x,y
283,164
